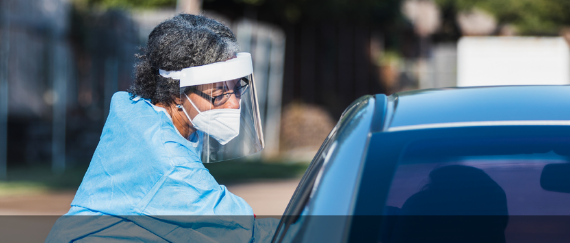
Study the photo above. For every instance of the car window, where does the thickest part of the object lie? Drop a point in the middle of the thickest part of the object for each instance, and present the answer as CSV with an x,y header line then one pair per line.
x,y
479,190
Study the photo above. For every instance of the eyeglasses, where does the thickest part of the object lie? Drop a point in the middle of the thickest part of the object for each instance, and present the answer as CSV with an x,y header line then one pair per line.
x,y
239,89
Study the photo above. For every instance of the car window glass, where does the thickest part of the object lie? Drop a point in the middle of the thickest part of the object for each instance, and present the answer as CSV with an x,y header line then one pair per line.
x,y
477,187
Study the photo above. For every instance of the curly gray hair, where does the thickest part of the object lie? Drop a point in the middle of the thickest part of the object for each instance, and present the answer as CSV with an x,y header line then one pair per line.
x,y
183,41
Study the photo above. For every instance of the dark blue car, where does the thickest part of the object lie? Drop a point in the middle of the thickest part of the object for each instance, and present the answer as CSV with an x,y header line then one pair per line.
x,y
486,164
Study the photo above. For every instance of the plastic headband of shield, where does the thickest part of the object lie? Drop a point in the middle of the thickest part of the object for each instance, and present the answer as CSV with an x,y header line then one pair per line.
x,y
234,68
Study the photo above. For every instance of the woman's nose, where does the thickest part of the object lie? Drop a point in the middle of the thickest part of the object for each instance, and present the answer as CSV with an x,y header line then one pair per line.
x,y
232,103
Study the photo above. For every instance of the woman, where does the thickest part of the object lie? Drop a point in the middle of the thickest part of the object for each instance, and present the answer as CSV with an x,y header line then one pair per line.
x,y
193,101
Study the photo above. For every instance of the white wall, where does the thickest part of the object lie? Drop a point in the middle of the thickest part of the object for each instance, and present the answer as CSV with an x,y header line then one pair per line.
x,y
488,61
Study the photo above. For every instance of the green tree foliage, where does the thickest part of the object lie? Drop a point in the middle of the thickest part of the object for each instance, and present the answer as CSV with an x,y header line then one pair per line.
x,y
370,11
126,4
528,16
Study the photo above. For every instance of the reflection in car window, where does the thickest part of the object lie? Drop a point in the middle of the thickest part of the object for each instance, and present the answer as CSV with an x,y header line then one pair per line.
x,y
472,190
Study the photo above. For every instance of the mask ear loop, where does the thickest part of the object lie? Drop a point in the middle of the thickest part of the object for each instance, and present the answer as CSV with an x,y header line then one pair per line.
x,y
192,103
184,110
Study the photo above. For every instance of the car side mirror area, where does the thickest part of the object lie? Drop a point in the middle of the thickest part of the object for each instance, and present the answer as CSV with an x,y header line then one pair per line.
x,y
556,177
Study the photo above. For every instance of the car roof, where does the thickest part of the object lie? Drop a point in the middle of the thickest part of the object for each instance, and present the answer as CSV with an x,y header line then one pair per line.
x,y
499,105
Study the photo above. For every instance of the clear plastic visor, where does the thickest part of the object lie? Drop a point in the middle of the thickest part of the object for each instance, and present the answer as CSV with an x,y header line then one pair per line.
x,y
223,119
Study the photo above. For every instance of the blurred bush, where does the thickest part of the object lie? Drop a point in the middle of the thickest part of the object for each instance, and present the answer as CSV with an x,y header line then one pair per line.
x,y
303,129
529,17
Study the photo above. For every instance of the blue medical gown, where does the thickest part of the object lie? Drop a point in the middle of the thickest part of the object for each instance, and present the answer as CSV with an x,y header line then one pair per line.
x,y
146,183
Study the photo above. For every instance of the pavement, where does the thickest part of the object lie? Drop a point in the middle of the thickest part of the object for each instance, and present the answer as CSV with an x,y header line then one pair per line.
x,y
25,217
269,197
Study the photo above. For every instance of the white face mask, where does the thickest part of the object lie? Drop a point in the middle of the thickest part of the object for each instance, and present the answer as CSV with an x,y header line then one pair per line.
x,y
221,124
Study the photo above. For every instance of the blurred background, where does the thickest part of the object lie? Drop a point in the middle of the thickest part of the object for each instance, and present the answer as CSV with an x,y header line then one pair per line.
x,y
61,61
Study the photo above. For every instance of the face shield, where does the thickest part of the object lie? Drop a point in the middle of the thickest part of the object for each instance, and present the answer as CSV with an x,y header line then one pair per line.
x,y
220,102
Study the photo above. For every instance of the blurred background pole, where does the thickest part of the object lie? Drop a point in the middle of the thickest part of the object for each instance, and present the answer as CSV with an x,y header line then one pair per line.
x,y
274,92
425,16
244,29
60,75
260,55
189,6
4,54
111,81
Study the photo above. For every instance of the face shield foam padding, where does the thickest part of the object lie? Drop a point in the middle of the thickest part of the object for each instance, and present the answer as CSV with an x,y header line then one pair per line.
x,y
220,102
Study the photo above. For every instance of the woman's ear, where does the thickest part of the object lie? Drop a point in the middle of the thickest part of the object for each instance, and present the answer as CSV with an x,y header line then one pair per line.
x,y
173,106
178,103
